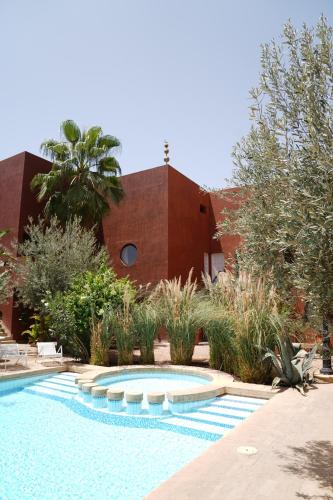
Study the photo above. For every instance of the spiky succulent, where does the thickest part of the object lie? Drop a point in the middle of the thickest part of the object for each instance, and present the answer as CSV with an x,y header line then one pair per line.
x,y
292,365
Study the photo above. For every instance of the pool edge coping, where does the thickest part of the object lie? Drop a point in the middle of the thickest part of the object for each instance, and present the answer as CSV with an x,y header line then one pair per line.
x,y
220,382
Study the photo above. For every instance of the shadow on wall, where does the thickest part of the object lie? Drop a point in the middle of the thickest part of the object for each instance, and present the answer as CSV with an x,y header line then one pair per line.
x,y
312,461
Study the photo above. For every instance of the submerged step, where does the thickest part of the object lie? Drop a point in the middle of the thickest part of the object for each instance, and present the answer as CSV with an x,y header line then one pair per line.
x,y
58,387
235,406
199,426
227,422
227,412
61,381
48,392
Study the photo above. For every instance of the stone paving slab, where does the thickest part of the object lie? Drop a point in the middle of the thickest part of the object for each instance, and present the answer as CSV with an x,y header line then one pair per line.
x,y
293,436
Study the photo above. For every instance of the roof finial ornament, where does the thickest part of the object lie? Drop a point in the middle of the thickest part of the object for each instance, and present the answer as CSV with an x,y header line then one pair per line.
x,y
166,152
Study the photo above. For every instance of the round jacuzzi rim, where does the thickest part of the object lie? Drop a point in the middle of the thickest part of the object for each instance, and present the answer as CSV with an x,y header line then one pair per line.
x,y
146,369
215,387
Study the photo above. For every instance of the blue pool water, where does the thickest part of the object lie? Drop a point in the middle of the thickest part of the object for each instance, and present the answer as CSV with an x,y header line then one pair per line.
x,y
153,381
52,447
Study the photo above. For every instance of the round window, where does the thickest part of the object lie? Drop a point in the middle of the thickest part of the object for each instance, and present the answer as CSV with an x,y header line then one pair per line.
x,y
128,255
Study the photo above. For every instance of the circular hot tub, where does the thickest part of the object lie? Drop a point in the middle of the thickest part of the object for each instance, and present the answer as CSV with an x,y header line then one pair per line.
x,y
151,390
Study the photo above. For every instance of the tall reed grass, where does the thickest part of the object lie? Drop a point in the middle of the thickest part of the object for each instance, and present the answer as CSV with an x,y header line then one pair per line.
x,y
123,329
220,331
179,307
100,340
146,321
251,306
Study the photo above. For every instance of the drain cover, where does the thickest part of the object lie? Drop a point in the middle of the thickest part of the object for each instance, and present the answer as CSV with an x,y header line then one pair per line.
x,y
247,450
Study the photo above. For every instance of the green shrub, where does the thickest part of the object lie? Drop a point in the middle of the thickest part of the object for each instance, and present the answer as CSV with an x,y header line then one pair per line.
x,y
88,297
53,256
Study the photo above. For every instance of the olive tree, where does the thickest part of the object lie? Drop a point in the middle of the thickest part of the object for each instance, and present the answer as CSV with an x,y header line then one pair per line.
x,y
6,269
51,257
285,167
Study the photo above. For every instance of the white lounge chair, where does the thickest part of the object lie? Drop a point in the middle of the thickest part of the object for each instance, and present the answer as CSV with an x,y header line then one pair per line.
x,y
12,352
47,350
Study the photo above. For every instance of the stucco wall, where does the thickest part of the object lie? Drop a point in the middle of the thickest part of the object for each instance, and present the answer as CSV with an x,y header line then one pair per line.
x,y
141,219
17,203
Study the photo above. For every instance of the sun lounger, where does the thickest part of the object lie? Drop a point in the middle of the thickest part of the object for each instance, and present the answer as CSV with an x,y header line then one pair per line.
x,y
13,352
47,350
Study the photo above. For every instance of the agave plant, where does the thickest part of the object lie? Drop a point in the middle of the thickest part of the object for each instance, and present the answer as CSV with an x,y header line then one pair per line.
x,y
292,365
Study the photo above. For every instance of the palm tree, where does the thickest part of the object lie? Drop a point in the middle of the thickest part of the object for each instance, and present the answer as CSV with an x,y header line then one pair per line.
x,y
84,174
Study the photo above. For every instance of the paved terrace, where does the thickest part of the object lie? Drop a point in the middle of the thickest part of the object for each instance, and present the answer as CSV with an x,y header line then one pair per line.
x,y
294,438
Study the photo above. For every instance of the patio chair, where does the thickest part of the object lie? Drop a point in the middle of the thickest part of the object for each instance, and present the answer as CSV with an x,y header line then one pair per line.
x,y
12,352
47,350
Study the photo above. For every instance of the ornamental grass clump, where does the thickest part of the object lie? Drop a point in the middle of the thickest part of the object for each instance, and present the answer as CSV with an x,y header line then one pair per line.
x,y
146,323
219,329
123,328
100,340
179,305
251,306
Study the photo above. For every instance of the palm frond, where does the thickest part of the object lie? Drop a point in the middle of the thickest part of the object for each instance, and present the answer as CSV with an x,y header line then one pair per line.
x,y
109,164
108,142
71,131
91,135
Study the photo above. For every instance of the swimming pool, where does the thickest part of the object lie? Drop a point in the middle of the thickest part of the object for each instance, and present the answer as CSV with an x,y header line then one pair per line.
x,y
52,447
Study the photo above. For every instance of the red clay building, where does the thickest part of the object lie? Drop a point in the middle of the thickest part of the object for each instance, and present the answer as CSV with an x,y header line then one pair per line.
x,y
163,227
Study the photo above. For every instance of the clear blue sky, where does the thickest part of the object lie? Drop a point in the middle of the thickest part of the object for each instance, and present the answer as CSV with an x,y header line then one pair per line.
x,y
145,70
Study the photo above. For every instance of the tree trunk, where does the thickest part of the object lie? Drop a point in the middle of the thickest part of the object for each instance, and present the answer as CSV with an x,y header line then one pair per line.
x,y
327,363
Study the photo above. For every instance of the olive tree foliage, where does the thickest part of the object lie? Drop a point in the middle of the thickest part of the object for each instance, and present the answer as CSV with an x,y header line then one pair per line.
x,y
51,257
6,268
285,168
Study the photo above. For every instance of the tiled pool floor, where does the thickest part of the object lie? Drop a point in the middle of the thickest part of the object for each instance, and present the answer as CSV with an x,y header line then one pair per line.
x,y
56,448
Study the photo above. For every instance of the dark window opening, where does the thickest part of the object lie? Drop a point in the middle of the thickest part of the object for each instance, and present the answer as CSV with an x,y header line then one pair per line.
x,y
129,254
203,209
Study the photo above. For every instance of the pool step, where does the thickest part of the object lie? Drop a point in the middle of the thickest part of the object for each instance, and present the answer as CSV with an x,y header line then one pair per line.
x,y
219,417
192,424
243,407
59,386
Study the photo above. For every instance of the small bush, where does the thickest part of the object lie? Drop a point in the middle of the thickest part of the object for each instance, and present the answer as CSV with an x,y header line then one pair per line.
x,y
89,296
52,257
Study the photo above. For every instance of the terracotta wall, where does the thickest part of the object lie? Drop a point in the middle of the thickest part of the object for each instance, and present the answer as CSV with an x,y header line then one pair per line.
x,y
17,203
141,219
189,226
